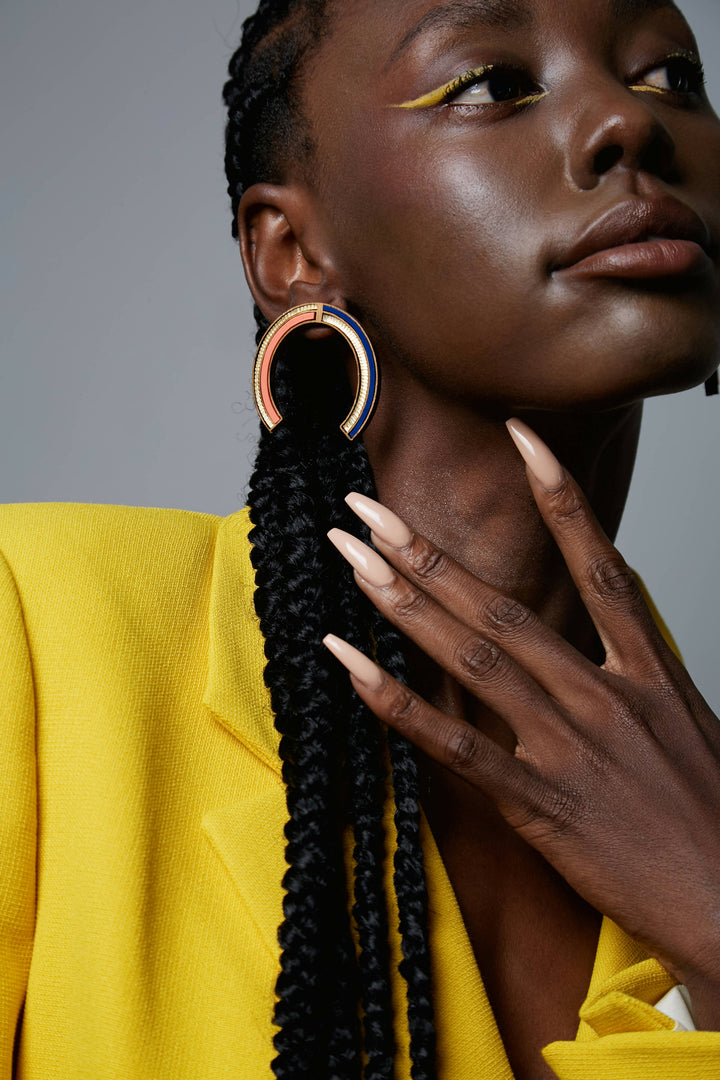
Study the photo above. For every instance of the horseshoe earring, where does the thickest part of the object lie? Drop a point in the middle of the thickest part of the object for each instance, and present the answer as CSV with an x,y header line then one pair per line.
x,y
302,315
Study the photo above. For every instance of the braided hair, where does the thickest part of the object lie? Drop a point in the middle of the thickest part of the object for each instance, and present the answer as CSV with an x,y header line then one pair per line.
x,y
334,1010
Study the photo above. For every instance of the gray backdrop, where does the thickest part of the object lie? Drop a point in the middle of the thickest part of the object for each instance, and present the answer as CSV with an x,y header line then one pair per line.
x,y
127,327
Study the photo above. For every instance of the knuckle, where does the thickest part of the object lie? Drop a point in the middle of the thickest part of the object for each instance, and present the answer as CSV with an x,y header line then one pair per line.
x,y
634,716
618,709
561,807
507,614
478,658
463,749
410,605
670,687
611,579
597,758
426,561
403,706
567,504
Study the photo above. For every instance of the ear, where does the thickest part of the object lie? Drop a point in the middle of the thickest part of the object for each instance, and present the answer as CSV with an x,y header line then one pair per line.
x,y
284,250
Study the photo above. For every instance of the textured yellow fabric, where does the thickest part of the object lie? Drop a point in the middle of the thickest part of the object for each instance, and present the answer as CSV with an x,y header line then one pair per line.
x,y
139,754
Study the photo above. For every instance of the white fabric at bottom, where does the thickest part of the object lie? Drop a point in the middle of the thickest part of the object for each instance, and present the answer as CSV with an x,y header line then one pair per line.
x,y
677,1005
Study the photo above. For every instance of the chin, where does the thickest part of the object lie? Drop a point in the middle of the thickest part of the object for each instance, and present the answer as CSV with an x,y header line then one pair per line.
x,y
688,364
645,358
637,342
681,382
671,377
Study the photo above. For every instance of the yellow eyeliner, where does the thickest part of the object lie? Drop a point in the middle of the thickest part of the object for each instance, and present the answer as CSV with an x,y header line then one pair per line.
x,y
527,100
436,97
682,55
456,86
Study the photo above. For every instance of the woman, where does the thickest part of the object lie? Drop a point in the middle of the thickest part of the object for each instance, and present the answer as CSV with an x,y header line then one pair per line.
x,y
520,204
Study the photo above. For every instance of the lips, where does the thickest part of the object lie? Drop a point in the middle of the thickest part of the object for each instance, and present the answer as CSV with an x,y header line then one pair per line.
x,y
640,239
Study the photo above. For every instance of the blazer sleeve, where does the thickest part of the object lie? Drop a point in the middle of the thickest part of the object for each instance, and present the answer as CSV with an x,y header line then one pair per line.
x,y
18,814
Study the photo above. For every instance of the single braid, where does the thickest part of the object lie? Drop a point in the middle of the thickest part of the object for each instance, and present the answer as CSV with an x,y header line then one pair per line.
x,y
367,781
334,1006
317,1006
412,908
409,875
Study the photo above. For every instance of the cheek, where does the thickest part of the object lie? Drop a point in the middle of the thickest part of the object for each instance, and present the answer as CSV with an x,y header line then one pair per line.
x,y
436,243
444,254
700,154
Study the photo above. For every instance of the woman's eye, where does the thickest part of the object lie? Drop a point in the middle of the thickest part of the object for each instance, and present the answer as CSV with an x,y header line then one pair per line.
x,y
491,84
676,75
491,88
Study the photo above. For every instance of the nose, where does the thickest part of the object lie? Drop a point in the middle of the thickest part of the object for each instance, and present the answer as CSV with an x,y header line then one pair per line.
x,y
618,128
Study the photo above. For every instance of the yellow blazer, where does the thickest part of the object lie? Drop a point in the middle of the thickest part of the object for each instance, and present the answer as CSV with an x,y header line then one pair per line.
x,y
141,818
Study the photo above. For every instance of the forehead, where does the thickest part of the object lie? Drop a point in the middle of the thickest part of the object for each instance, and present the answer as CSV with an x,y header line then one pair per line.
x,y
387,30
508,15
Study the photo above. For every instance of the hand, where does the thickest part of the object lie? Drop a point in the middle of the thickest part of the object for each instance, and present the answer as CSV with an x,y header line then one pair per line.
x,y
615,778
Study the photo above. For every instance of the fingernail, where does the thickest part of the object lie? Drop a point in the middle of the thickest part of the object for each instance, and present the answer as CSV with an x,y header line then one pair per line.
x,y
539,459
366,561
386,525
359,666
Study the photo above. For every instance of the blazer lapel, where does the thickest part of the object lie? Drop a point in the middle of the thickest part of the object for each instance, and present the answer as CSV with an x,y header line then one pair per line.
x,y
247,836
249,840
235,690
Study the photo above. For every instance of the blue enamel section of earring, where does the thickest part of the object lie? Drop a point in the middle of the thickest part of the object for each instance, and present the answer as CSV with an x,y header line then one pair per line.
x,y
372,368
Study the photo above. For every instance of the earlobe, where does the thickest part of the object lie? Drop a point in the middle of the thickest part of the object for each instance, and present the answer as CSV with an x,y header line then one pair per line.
x,y
285,259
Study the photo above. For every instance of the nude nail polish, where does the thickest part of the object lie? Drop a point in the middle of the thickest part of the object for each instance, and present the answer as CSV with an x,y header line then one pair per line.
x,y
384,523
366,561
359,666
538,457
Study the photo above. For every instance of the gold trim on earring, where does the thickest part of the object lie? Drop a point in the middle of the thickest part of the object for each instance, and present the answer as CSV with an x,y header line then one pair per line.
x,y
352,331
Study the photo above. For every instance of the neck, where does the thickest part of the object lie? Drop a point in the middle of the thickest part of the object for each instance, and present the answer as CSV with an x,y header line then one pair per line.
x,y
455,475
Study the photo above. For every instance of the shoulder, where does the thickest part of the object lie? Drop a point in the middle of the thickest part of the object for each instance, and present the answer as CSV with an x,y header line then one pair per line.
x,y
43,533
60,552
95,525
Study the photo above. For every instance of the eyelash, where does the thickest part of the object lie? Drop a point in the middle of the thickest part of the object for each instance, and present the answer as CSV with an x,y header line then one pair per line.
x,y
481,75
693,70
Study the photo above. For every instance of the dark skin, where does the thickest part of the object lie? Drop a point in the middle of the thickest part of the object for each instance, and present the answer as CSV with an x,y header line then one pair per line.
x,y
445,227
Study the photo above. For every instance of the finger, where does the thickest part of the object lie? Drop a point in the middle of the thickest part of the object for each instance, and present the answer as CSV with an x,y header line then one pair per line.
x,y
474,660
607,585
453,743
545,655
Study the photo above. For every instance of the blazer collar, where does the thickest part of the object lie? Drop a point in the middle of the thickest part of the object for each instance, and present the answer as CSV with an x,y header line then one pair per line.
x,y
235,690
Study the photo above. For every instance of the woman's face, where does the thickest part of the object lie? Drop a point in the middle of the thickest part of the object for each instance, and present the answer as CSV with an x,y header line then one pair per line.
x,y
481,229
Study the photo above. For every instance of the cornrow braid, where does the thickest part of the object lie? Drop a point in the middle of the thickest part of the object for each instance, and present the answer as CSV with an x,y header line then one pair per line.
x,y
334,1009
265,126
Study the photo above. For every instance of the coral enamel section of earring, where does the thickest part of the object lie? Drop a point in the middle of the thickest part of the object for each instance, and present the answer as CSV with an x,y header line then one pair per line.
x,y
264,401
368,376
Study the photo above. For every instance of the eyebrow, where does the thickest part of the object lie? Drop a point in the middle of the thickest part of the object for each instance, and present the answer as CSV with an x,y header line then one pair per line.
x,y
633,9
502,14
505,15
